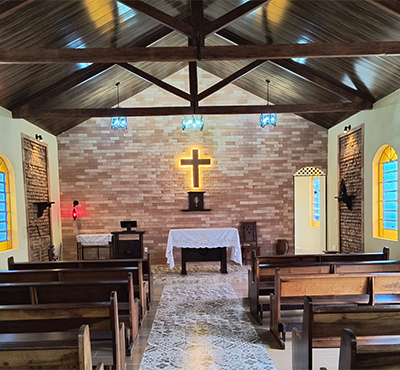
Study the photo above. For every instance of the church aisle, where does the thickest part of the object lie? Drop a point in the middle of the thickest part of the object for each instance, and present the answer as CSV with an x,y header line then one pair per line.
x,y
203,326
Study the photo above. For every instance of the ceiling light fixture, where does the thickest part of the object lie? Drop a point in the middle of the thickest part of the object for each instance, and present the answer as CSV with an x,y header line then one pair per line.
x,y
192,123
268,118
119,123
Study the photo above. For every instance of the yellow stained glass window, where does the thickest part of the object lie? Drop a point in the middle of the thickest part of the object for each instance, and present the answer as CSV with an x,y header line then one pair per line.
x,y
5,209
388,194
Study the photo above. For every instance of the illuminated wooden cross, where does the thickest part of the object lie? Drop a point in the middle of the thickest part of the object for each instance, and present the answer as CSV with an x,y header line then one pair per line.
x,y
195,162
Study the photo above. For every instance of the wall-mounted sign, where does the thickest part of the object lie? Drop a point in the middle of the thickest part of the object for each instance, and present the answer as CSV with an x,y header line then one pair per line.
x,y
195,162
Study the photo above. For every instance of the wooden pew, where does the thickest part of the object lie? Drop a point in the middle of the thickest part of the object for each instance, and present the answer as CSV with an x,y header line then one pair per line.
x,y
326,289
87,274
47,351
322,327
261,277
262,282
102,318
377,353
338,257
146,266
77,292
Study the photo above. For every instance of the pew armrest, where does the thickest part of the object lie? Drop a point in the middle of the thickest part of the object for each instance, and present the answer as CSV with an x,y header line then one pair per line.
x,y
99,366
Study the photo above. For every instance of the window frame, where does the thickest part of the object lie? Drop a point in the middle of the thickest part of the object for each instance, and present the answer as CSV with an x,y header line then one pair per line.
x,y
388,155
6,244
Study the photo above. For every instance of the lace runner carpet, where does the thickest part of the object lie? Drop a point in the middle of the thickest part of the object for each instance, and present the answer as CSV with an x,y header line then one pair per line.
x,y
204,272
203,326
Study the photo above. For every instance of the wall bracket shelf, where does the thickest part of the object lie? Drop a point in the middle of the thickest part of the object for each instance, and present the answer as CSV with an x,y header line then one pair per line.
x,y
346,199
41,206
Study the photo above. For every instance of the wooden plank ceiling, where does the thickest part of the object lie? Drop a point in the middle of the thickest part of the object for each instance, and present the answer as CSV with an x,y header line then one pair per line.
x,y
326,60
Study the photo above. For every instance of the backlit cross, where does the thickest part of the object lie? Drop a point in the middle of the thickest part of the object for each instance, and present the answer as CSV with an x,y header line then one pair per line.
x,y
196,163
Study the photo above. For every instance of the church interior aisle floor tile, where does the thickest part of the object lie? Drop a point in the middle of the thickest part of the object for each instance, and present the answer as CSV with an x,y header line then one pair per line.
x,y
203,326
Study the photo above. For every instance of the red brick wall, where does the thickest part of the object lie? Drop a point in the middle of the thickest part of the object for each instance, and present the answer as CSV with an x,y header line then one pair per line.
x,y
36,190
135,174
351,171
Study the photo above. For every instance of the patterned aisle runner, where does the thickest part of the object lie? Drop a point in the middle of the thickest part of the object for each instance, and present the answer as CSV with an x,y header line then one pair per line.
x,y
203,326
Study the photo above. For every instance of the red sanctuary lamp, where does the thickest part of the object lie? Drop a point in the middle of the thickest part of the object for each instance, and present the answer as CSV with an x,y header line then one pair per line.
x,y
74,212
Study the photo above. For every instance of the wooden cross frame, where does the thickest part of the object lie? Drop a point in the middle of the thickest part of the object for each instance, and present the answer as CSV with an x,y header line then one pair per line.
x,y
195,162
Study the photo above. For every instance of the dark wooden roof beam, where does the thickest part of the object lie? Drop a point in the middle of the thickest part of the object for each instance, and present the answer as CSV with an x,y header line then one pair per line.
x,y
154,80
231,16
190,53
65,84
390,6
177,111
232,78
8,7
323,81
306,72
159,16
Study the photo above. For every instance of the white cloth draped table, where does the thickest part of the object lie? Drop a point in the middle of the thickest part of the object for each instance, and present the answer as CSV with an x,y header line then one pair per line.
x,y
94,239
204,238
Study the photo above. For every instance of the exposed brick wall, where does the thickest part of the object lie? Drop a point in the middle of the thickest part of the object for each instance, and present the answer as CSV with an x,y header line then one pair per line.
x,y
135,174
350,170
36,190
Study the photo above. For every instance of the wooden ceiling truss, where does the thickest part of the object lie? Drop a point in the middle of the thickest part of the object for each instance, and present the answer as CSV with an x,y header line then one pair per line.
x,y
196,32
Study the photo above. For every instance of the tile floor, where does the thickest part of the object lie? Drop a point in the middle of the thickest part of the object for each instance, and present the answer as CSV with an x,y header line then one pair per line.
x,y
281,358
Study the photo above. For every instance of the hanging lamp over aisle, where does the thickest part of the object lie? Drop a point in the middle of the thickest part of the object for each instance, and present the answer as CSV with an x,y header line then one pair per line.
x,y
268,118
119,123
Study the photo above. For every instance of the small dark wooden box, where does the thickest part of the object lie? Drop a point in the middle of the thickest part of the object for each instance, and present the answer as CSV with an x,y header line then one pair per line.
x,y
196,200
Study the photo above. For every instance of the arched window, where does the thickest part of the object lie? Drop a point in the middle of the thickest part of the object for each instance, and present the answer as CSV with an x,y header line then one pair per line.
x,y
388,194
316,201
5,207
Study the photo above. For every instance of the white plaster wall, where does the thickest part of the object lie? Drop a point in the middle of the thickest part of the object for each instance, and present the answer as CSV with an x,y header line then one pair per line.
x,y
308,239
381,126
11,146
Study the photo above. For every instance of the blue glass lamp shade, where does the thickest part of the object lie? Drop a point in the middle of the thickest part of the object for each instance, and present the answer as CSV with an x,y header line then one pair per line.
x,y
268,119
192,123
119,123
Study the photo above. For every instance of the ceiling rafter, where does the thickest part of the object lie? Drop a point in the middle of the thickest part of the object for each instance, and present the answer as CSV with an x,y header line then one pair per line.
x,y
155,81
306,72
83,75
8,7
390,6
231,16
208,53
167,20
173,111
233,77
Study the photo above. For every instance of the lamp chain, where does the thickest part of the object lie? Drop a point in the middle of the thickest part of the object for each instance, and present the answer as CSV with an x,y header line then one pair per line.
x,y
117,84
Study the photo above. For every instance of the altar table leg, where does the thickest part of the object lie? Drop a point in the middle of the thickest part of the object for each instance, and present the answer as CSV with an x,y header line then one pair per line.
x,y
224,263
184,259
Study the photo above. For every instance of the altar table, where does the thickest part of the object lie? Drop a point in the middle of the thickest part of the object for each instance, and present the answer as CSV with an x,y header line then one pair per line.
x,y
199,244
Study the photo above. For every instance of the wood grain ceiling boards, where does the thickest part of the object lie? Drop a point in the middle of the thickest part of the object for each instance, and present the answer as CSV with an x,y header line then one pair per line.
x,y
110,24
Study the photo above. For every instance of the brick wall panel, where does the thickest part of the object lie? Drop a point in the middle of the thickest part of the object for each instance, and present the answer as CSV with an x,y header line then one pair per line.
x,y
135,174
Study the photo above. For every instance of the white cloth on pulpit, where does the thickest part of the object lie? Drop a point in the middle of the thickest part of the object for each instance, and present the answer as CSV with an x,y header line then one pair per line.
x,y
94,239
204,238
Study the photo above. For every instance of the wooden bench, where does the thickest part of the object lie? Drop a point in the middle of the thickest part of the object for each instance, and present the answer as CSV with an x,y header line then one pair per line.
x,y
326,289
101,264
47,351
377,353
102,318
87,274
77,292
323,325
338,257
261,276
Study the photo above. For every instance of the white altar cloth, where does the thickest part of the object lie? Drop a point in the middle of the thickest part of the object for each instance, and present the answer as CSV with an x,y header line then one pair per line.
x,y
94,239
204,238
